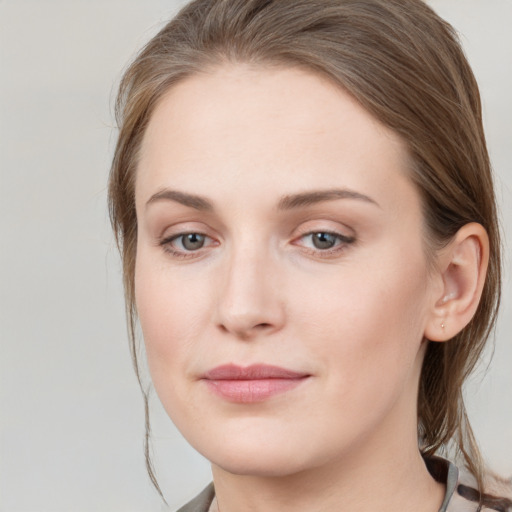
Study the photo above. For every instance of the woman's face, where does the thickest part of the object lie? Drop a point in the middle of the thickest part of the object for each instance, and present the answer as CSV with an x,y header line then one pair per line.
x,y
281,281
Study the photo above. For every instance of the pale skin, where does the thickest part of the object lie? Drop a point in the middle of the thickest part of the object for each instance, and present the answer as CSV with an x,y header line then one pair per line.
x,y
277,225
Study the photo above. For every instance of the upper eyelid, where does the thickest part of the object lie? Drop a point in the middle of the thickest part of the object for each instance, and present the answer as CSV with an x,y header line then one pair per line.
x,y
170,238
307,227
166,244
296,232
328,231
183,228
344,239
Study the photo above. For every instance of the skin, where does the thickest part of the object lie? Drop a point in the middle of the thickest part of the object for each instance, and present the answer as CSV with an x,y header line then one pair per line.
x,y
353,318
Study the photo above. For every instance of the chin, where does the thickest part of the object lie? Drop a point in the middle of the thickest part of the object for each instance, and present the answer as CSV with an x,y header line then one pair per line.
x,y
274,457
272,466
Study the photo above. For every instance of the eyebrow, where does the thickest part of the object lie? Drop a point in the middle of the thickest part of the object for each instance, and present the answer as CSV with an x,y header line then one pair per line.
x,y
288,202
190,200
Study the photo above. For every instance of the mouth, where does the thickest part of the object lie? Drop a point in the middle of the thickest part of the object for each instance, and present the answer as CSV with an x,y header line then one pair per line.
x,y
251,384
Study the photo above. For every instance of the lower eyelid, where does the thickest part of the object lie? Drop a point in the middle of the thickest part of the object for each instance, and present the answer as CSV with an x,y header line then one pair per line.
x,y
167,246
343,244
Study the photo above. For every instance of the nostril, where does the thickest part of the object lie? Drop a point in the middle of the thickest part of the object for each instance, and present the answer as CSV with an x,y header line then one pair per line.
x,y
244,332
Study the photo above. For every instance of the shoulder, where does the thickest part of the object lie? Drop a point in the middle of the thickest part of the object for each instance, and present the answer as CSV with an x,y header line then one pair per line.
x,y
496,498
461,489
202,502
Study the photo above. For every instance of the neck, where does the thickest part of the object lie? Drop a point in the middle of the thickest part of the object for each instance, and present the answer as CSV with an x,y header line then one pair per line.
x,y
399,481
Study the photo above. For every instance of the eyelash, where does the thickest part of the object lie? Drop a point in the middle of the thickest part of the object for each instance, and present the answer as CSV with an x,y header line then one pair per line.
x,y
342,244
167,246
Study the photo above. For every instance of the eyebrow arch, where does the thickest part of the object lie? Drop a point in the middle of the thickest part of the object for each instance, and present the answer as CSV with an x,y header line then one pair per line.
x,y
190,200
290,202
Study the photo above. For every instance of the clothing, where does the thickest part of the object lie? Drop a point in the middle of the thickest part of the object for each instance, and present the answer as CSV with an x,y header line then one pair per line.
x,y
460,495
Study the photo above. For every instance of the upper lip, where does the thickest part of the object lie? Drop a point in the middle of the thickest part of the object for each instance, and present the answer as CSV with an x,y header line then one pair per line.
x,y
252,372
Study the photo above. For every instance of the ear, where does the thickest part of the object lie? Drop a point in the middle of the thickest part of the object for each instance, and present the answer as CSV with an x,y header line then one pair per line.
x,y
461,268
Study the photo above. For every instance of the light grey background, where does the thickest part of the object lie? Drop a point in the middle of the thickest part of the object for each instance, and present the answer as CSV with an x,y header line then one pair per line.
x,y
70,410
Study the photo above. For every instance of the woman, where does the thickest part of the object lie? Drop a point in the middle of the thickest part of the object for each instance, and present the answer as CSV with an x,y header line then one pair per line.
x,y
304,204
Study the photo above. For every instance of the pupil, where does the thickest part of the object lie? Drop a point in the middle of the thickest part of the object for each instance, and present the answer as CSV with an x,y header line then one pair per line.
x,y
323,240
193,241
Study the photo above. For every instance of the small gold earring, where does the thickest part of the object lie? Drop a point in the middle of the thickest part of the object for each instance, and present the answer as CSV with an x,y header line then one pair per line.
x,y
442,326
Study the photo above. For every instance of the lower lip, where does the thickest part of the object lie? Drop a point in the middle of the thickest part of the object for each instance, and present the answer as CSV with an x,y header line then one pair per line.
x,y
252,390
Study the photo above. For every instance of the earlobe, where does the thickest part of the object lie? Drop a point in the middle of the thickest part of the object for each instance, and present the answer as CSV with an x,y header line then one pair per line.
x,y
462,266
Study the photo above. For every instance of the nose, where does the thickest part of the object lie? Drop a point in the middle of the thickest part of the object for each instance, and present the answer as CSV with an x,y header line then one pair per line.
x,y
250,302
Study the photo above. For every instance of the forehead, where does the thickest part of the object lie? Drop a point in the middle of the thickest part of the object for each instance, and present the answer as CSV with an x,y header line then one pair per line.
x,y
259,126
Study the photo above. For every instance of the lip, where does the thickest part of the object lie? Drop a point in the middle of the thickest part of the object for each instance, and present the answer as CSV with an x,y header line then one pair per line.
x,y
250,384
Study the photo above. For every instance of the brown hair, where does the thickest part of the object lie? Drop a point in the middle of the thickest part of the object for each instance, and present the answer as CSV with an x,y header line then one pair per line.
x,y
406,67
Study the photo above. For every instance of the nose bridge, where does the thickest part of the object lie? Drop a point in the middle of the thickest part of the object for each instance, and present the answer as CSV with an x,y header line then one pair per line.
x,y
249,299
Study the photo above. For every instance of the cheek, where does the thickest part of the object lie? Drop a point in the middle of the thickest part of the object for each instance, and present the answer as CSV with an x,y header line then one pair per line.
x,y
368,318
171,313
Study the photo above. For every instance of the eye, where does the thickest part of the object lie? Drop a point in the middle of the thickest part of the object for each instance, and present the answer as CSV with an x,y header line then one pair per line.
x,y
325,241
185,244
190,241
